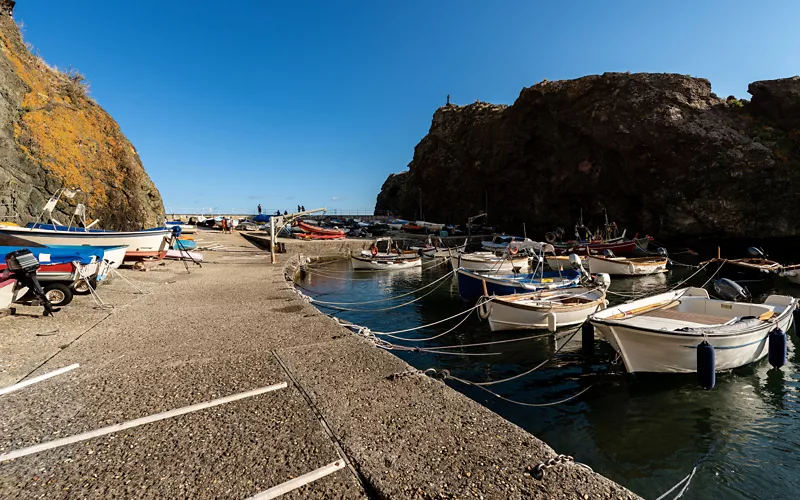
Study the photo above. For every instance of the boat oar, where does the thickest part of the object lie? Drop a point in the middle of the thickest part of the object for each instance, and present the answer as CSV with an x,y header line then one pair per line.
x,y
639,310
767,315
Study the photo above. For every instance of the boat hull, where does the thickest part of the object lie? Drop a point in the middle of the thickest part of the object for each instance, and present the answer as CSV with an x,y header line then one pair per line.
x,y
487,263
140,244
385,263
642,266
7,292
660,349
544,313
471,285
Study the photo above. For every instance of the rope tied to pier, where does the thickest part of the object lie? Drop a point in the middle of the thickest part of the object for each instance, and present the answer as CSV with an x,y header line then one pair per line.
x,y
538,471
688,478
388,298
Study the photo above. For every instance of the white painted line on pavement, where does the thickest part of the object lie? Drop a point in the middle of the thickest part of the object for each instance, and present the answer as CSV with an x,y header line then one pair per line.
x,y
49,445
31,381
299,481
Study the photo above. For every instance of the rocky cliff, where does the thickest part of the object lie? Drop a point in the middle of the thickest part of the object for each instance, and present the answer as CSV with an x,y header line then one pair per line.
x,y
53,135
660,152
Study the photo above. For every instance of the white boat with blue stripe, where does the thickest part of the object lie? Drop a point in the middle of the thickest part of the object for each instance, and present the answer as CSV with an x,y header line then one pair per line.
x,y
661,333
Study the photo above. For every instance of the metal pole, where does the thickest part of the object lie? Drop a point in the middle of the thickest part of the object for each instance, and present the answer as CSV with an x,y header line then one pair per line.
x,y
272,239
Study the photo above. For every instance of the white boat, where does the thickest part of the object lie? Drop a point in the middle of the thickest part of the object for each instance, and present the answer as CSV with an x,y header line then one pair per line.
x,y
397,224
184,254
141,245
546,309
561,262
485,262
431,251
500,242
661,333
185,228
7,292
791,273
385,259
624,266
112,259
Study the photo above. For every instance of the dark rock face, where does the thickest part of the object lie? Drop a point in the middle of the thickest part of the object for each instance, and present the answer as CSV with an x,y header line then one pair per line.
x,y
778,100
660,152
53,135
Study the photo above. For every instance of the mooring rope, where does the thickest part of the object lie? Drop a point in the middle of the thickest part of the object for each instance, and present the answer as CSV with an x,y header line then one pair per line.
x,y
688,478
388,298
429,338
467,311
337,308
494,382
521,403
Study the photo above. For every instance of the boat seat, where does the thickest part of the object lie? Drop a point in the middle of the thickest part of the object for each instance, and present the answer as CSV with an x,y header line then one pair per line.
x,y
701,319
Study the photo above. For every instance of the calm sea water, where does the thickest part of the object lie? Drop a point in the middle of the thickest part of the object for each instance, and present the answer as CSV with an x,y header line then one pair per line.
x,y
645,432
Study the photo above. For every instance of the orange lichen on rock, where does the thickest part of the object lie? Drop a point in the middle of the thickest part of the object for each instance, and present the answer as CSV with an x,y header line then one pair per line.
x,y
61,129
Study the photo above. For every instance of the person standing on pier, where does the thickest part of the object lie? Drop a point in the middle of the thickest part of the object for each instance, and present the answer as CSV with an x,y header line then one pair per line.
x,y
259,209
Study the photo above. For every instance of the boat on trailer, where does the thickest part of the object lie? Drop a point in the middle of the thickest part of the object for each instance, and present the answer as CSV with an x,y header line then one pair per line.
x,y
546,309
141,245
661,333
385,255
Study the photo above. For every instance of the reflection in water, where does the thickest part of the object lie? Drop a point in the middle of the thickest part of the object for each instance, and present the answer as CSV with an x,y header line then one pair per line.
x,y
645,432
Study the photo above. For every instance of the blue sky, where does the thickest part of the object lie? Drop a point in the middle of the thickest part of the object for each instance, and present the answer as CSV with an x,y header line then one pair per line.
x,y
236,103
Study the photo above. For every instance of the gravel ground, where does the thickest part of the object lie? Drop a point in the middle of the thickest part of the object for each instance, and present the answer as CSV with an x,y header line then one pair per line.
x,y
228,327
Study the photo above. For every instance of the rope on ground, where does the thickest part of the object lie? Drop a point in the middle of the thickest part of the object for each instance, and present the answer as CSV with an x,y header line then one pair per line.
x,y
388,298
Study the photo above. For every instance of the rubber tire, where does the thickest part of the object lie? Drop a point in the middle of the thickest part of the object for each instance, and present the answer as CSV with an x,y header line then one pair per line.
x,y
82,283
63,291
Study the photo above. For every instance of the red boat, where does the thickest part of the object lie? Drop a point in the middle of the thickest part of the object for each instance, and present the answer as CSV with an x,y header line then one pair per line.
x,y
412,228
317,236
320,231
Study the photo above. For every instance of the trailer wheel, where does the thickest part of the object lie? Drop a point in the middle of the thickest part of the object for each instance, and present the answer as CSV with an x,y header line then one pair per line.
x,y
58,294
82,287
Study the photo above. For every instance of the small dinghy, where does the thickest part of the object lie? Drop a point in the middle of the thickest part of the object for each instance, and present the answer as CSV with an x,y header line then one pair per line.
x,y
549,309
661,333
488,262
385,255
561,262
472,285
791,273
755,271
627,266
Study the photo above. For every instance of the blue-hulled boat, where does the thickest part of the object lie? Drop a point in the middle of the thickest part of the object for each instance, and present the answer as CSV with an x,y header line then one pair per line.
x,y
471,284
184,245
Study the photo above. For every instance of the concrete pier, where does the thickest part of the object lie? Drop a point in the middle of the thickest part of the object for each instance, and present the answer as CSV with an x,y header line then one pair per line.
x,y
232,326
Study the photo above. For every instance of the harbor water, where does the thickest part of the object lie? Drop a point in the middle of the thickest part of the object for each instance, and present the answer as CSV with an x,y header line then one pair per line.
x,y
645,432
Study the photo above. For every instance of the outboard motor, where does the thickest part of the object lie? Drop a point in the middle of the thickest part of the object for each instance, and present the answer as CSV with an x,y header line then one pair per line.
x,y
23,265
730,290
755,252
662,252
603,280
608,254
575,261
